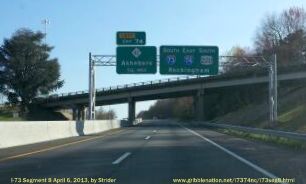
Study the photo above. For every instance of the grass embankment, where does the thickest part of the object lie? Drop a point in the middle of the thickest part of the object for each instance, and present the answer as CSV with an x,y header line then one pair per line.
x,y
291,113
282,141
7,116
35,114
291,117
294,119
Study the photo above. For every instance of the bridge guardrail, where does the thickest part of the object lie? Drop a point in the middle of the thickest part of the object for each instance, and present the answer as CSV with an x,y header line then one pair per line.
x,y
161,81
277,133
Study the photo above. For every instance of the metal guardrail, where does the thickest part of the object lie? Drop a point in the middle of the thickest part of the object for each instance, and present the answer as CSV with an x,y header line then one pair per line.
x,y
277,133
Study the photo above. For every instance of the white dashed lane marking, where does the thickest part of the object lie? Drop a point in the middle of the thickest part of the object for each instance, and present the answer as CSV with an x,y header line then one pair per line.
x,y
120,159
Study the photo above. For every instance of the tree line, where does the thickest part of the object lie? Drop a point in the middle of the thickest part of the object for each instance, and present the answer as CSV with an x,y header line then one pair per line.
x,y
102,114
169,108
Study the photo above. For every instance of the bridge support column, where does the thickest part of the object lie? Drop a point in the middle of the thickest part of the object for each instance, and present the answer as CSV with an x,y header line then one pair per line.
x,y
81,113
74,113
131,112
198,101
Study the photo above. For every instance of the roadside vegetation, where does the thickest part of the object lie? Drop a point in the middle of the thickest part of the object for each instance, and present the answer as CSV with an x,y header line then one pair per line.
x,y
282,141
180,108
7,115
291,112
26,70
102,114
35,113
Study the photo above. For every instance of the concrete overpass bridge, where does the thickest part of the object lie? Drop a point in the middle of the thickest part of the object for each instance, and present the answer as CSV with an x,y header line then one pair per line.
x,y
160,89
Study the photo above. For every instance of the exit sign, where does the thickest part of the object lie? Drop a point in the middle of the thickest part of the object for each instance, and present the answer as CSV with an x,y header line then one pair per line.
x,y
136,60
189,60
131,38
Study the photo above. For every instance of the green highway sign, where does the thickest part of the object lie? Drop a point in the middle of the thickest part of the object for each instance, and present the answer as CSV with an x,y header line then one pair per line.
x,y
131,38
136,60
189,60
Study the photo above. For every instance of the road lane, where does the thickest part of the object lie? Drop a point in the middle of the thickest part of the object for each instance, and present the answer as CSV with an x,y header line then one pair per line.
x,y
170,152
283,161
243,160
173,153
94,157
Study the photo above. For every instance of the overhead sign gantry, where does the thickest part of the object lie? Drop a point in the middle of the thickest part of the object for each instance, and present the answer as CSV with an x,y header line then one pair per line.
x,y
132,57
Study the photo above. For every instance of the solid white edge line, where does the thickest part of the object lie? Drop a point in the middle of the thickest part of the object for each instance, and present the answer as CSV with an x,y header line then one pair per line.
x,y
148,137
120,159
254,166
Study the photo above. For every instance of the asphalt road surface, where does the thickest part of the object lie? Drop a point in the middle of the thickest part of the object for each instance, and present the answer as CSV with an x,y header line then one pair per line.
x,y
152,152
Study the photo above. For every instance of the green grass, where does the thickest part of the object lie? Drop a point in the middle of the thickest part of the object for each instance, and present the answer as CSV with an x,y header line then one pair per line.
x,y
294,119
3,118
7,116
282,141
291,112
35,114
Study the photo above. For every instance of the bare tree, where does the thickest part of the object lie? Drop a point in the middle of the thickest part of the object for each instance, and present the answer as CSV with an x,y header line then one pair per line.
x,y
240,56
276,28
293,19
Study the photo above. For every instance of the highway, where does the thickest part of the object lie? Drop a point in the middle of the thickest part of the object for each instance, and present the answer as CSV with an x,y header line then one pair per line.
x,y
152,152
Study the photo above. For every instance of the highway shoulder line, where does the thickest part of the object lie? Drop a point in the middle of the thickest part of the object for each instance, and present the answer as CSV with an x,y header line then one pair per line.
x,y
250,164
120,159
54,147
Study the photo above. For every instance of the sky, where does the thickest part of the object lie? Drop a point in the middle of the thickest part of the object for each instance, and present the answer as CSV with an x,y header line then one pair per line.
x,y
78,27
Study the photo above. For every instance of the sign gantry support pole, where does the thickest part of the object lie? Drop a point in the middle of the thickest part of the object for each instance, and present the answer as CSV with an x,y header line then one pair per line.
x,y
96,60
273,90
92,91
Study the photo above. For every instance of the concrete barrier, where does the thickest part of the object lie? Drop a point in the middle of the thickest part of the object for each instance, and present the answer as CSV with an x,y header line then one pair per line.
x,y
27,132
